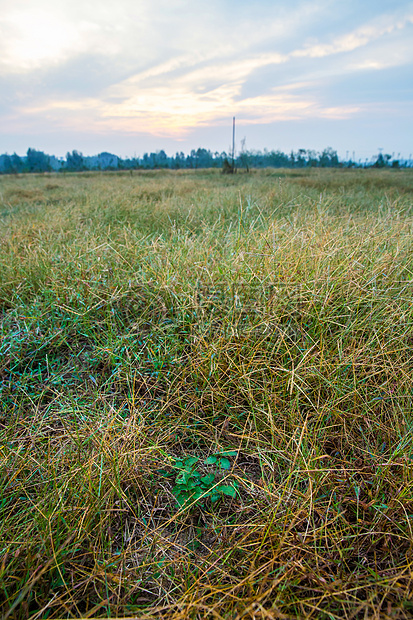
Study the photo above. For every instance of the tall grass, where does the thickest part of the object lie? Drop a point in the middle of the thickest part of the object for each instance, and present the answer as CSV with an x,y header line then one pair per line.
x,y
151,317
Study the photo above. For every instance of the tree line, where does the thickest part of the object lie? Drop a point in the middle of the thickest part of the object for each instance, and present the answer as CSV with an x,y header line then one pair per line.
x,y
38,161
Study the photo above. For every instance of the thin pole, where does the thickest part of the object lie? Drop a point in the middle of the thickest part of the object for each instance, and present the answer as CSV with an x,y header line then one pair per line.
x,y
233,143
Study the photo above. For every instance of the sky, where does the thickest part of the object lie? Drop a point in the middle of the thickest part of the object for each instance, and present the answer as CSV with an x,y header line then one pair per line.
x,y
135,76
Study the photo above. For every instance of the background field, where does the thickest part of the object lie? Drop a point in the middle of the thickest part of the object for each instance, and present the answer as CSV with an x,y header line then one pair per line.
x,y
262,323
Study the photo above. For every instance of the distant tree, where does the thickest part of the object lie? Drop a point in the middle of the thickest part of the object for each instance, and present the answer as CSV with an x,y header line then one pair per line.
x,y
153,160
75,161
178,161
301,158
191,159
312,158
37,161
7,165
244,156
107,161
278,159
17,163
328,158
217,160
128,164
162,160
381,161
11,164
226,167
204,158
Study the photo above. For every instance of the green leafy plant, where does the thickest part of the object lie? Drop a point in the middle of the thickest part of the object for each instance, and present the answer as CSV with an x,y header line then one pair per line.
x,y
191,485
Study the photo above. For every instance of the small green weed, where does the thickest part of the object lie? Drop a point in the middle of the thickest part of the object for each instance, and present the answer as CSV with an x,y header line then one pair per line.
x,y
191,486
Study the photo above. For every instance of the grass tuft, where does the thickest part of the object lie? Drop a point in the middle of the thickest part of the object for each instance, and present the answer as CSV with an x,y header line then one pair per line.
x,y
206,395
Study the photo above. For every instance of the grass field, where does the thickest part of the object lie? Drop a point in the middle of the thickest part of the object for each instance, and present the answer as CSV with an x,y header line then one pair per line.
x,y
206,395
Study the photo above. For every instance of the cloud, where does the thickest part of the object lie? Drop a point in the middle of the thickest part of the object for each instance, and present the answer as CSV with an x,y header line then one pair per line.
x,y
163,112
166,69
142,34
184,93
46,33
358,38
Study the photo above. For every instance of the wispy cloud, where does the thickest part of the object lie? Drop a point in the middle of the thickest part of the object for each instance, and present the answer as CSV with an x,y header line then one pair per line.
x,y
184,93
359,37
162,70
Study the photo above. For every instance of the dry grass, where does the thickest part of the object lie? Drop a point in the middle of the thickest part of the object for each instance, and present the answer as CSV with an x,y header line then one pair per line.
x,y
151,317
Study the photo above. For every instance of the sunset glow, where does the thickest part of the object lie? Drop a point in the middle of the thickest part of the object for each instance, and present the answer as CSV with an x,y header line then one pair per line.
x,y
37,40
138,73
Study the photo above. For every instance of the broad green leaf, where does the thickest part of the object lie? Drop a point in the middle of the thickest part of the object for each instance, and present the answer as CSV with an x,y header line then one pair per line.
x,y
225,463
192,484
191,460
183,477
208,479
211,460
165,473
181,500
227,489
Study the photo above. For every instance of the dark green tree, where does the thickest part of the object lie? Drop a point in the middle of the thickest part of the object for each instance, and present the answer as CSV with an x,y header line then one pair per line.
x,y
328,158
37,161
74,161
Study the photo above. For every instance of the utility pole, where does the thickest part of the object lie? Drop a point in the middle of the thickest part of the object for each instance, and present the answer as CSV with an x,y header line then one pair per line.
x,y
233,144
